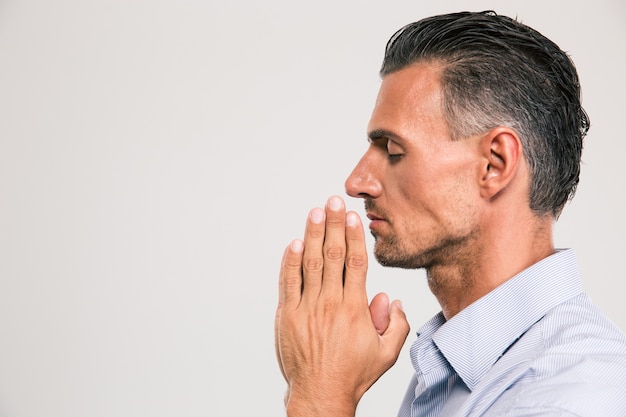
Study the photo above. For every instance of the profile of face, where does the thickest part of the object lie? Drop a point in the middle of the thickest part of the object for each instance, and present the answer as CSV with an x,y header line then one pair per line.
x,y
420,187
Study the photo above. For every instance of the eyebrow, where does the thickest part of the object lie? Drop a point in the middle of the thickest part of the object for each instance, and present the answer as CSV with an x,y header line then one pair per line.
x,y
378,134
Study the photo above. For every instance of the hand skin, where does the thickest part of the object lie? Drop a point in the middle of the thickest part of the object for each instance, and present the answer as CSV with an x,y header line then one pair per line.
x,y
331,346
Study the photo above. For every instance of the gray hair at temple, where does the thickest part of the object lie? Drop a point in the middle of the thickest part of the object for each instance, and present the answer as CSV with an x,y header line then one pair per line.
x,y
500,72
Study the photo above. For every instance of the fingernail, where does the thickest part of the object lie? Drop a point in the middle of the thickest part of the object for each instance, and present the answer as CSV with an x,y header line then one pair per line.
x,y
317,215
352,219
335,203
296,245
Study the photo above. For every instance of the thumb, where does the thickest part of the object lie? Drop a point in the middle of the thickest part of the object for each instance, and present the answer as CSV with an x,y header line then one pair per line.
x,y
379,311
398,329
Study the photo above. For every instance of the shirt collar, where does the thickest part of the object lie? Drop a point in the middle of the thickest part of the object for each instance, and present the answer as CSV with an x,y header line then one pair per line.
x,y
475,338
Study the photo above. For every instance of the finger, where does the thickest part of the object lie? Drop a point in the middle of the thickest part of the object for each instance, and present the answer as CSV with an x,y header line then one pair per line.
x,y
334,249
278,314
313,258
356,259
396,333
379,311
281,294
291,275
277,343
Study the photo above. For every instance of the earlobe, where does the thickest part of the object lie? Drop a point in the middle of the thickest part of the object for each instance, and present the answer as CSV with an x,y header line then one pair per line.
x,y
502,149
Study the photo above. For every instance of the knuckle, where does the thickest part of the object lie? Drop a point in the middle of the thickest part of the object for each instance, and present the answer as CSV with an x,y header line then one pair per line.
x,y
356,262
316,233
289,321
329,305
292,264
313,264
292,282
335,222
334,253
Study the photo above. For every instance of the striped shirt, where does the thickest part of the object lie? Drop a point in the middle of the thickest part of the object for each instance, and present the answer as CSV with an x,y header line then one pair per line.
x,y
534,346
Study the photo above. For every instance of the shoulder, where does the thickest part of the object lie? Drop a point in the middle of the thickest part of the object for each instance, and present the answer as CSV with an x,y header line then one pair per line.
x,y
578,327
575,366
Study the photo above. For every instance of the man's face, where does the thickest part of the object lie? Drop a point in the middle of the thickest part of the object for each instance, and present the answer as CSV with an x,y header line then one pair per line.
x,y
420,187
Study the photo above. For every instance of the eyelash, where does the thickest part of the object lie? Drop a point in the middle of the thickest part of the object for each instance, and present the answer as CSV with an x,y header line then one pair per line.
x,y
395,157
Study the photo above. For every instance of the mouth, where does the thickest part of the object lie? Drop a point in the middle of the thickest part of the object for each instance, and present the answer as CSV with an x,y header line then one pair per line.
x,y
375,221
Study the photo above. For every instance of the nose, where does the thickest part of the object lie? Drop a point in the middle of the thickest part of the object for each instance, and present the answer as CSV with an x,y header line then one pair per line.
x,y
363,182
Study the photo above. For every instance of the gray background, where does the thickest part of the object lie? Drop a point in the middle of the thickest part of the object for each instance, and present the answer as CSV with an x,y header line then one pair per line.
x,y
157,156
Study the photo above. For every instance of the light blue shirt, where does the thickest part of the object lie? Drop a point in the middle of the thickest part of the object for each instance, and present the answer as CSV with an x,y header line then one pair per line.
x,y
534,346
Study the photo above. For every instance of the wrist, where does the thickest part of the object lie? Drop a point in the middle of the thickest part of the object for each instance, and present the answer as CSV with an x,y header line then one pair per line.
x,y
298,405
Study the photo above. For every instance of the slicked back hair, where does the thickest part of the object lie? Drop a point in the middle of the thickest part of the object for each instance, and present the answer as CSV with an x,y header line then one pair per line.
x,y
500,72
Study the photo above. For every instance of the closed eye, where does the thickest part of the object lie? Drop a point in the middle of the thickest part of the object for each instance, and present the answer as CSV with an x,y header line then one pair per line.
x,y
381,139
394,151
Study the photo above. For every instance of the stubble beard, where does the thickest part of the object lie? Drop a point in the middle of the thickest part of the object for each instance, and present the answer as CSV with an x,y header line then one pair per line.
x,y
390,252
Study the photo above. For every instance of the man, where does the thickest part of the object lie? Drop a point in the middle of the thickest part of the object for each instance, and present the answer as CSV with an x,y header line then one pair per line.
x,y
475,147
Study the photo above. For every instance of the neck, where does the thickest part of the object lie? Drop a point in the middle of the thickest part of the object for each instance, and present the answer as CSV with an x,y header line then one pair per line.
x,y
489,260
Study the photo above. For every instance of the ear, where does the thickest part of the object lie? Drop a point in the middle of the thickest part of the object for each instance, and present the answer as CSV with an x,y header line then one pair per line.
x,y
502,149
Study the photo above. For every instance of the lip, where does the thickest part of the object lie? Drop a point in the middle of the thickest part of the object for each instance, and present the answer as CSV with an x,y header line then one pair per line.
x,y
375,220
373,216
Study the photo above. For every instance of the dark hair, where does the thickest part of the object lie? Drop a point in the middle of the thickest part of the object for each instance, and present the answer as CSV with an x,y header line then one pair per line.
x,y
500,72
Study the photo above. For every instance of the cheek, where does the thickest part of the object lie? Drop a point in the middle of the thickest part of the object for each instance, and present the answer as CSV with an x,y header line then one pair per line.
x,y
460,208
445,200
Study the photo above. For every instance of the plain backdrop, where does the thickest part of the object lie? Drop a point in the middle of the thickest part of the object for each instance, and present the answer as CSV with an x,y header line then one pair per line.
x,y
157,156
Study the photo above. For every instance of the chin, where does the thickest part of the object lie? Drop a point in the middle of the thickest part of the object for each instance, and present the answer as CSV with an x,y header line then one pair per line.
x,y
397,262
389,254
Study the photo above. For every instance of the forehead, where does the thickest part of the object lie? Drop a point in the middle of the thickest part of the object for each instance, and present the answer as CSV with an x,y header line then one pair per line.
x,y
408,99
